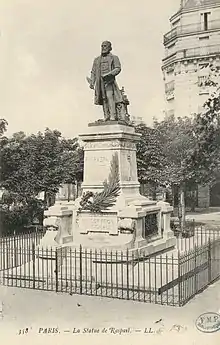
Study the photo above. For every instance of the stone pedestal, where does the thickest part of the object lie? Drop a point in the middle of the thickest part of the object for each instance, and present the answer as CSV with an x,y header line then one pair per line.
x,y
166,211
133,222
125,225
100,143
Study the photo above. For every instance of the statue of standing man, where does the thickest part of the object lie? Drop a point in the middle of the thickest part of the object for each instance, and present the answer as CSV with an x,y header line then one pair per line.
x,y
107,93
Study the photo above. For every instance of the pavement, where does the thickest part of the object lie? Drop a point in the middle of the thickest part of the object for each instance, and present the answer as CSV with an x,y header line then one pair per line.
x,y
205,217
56,318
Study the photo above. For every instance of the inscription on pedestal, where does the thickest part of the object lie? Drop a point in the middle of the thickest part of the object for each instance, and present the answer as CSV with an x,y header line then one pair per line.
x,y
90,222
100,160
96,167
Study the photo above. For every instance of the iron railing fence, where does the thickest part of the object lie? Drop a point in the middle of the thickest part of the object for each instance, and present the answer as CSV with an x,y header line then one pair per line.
x,y
172,278
190,28
96,273
195,236
11,245
191,53
198,268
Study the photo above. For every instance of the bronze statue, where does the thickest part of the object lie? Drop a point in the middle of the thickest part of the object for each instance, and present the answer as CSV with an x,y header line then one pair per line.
x,y
107,93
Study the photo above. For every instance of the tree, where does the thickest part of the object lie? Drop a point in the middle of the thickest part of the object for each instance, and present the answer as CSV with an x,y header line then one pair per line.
x,y
177,142
205,156
150,158
3,128
161,155
37,163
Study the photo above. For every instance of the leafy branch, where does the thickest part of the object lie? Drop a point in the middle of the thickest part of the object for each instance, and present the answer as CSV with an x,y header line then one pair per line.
x,y
98,202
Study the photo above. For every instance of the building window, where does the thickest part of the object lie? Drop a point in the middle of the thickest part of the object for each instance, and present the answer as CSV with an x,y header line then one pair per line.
x,y
206,20
204,38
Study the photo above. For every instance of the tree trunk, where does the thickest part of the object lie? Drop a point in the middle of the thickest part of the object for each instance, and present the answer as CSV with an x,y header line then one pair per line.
x,y
78,189
46,199
154,192
69,186
75,190
182,206
173,196
193,202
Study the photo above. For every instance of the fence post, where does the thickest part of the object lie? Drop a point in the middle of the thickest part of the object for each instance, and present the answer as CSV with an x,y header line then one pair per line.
x,y
15,251
3,252
80,269
33,259
209,262
195,266
56,269
179,281
127,275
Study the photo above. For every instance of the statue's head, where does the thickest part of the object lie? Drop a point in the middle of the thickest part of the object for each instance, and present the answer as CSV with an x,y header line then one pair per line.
x,y
106,47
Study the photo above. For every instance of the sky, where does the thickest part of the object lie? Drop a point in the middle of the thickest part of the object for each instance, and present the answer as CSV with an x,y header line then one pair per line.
x,y
47,50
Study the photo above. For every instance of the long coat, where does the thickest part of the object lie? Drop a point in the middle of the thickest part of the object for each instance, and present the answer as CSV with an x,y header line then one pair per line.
x,y
98,83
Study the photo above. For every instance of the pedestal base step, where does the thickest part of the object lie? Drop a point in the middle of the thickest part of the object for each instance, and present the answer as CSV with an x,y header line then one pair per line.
x,y
156,247
103,241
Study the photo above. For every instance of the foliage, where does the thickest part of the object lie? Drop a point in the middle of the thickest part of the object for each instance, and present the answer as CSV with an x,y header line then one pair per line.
x,y
205,156
33,164
162,152
150,157
177,142
104,200
17,216
36,163
76,160
3,126
162,156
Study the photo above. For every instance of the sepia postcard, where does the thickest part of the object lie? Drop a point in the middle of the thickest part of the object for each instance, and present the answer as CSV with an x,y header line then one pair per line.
x,y
110,172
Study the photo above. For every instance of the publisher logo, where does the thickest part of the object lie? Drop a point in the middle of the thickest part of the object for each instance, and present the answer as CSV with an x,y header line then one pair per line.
x,y
208,322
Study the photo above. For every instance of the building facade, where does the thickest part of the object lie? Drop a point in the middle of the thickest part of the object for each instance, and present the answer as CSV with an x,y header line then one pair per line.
x,y
192,44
